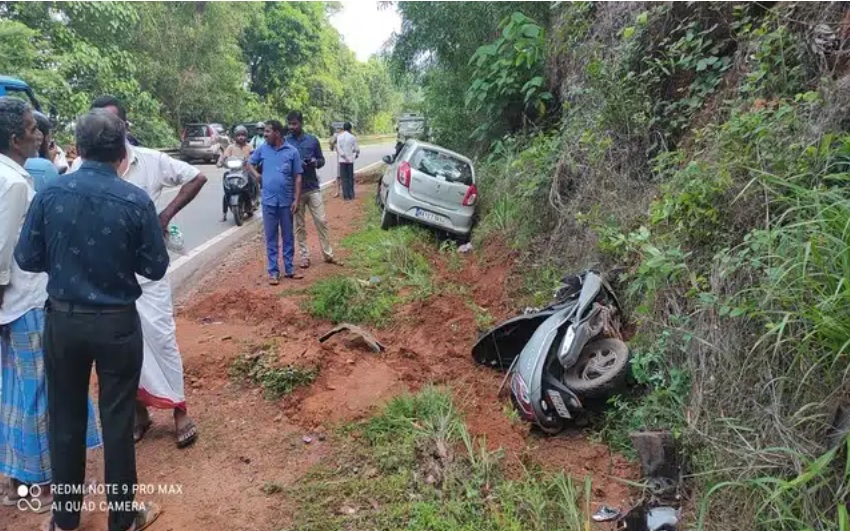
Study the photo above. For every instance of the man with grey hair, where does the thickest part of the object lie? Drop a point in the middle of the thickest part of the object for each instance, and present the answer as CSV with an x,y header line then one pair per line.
x,y
92,233
24,439
161,384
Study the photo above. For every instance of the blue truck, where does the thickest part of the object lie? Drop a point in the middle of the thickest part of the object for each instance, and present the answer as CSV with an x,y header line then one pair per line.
x,y
12,86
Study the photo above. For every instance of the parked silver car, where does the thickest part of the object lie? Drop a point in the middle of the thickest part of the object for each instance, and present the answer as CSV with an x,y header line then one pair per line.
x,y
203,141
430,185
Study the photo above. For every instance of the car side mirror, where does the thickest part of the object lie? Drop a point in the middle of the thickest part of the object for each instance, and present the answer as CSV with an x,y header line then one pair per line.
x,y
388,159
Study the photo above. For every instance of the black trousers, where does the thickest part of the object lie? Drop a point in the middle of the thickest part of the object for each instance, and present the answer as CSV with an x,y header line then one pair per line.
x,y
111,339
346,175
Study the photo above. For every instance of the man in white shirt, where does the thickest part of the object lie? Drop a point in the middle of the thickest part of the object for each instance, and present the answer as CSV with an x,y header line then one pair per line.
x,y
24,442
161,383
348,151
60,160
258,139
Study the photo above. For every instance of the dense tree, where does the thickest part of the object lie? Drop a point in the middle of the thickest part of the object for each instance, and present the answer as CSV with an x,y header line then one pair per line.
x,y
436,46
176,62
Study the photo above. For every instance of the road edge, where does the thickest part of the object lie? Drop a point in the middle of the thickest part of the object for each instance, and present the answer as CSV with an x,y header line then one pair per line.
x,y
181,272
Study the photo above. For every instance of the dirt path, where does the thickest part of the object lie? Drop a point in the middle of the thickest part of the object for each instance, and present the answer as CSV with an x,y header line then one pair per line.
x,y
247,441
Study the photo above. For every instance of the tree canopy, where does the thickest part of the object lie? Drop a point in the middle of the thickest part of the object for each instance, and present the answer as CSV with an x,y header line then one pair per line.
x,y
180,62
475,61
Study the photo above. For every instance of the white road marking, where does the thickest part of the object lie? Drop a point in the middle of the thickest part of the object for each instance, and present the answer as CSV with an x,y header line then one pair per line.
x,y
185,259
371,166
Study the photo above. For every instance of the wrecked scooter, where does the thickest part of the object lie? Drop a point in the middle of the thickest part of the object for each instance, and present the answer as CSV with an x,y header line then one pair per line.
x,y
561,355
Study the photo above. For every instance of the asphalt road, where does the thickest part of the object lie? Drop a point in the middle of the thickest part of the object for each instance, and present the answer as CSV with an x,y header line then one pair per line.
x,y
201,221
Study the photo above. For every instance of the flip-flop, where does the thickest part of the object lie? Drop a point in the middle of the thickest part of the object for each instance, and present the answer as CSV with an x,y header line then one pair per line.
x,y
145,517
190,440
294,276
142,431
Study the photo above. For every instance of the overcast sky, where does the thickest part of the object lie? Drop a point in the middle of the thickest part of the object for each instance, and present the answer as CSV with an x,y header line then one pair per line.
x,y
364,27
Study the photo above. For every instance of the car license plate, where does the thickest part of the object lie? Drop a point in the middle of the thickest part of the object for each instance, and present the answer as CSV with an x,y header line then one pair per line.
x,y
196,143
428,216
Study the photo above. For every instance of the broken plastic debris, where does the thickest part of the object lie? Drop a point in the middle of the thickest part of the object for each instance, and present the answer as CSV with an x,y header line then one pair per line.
x,y
605,514
307,439
465,248
365,336
662,519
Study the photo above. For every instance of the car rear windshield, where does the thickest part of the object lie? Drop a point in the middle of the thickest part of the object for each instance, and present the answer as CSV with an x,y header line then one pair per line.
x,y
411,127
436,163
197,131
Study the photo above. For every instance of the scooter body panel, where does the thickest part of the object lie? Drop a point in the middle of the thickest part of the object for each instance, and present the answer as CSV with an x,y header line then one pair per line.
x,y
531,369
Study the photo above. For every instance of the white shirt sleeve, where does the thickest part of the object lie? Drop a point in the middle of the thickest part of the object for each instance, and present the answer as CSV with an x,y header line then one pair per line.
x,y
76,164
60,161
13,208
175,172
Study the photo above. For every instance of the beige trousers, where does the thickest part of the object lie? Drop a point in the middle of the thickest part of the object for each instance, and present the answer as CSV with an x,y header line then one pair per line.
x,y
313,202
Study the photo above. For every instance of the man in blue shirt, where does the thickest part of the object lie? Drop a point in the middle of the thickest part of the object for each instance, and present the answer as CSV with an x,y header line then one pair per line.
x,y
41,167
281,193
92,232
311,196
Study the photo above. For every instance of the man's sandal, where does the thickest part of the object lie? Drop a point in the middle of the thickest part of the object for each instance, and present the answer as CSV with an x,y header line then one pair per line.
x,y
294,276
188,435
145,517
141,429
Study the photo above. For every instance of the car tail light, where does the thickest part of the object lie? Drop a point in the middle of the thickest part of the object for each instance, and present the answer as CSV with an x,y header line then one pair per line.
x,y
403,175
471,196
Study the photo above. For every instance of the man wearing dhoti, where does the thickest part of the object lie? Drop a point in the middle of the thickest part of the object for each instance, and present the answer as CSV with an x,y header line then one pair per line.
x,y
161,383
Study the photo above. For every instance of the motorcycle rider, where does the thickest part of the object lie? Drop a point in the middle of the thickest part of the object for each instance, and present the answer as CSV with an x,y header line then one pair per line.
x,y
241,149
259,138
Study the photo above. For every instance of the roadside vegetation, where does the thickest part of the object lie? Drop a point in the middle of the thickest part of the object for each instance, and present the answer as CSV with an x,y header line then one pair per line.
x,y
704,149
384,269
260,367
415,466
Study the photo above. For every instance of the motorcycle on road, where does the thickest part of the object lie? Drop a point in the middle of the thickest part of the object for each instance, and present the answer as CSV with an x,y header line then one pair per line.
x,y
560,357
240,190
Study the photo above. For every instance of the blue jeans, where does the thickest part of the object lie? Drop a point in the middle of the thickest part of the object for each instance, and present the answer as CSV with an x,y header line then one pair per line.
x,y
276,220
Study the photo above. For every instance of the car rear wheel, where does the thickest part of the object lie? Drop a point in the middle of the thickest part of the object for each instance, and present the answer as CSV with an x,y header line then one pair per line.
x,y
388,219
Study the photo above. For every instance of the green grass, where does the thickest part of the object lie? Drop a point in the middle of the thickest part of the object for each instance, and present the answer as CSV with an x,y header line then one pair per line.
x,y
416,467
483,319
383,264
260,368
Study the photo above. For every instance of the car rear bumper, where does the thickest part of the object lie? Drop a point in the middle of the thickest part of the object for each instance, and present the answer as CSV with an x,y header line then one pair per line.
x,y
200,152
400,203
